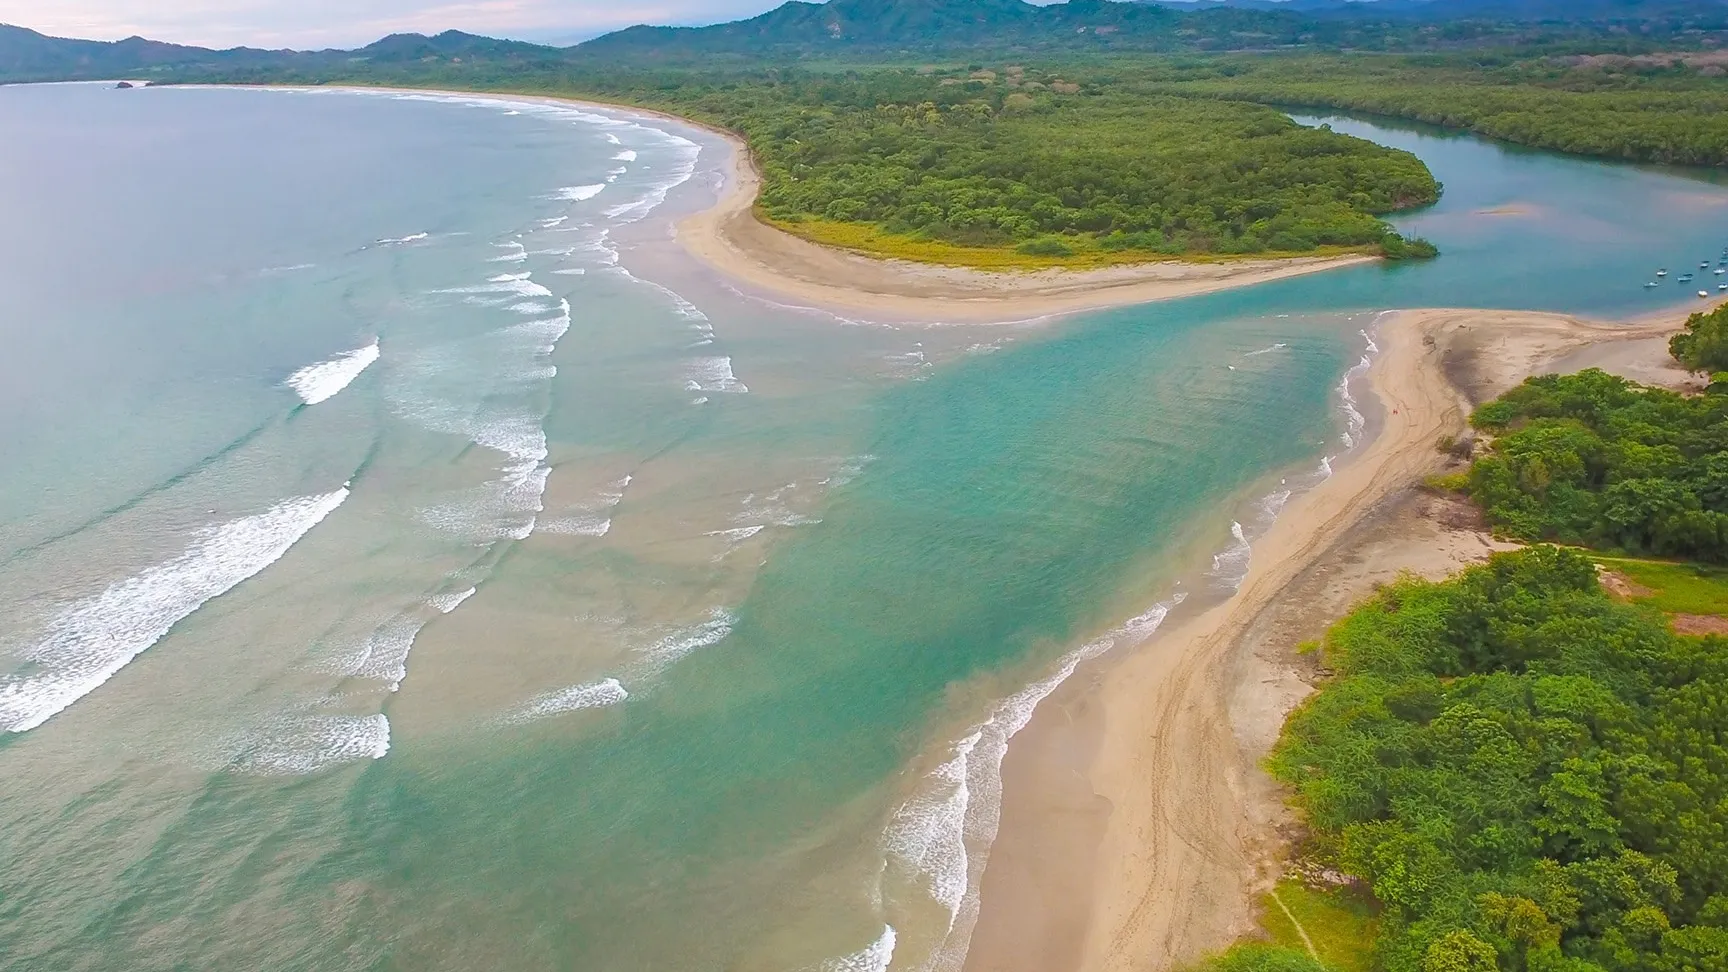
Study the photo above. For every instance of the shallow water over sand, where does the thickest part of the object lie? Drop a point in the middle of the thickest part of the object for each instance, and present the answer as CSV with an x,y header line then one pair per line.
x,y
423,566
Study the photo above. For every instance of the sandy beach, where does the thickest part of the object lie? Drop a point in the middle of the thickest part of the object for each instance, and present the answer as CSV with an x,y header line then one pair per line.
x,y
729,238
1137,829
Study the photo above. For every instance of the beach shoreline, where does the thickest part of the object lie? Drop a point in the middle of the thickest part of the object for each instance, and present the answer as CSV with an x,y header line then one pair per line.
x,y
1137,829
728,238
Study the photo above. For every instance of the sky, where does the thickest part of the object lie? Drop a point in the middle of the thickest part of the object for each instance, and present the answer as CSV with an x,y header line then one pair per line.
x,y
309,24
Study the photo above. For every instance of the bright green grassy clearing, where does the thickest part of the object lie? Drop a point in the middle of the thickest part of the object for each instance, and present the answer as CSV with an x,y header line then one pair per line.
x,y
1340,923
1679,588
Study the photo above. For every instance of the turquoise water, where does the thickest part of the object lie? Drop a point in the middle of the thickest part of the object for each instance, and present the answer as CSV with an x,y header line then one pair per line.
x,y
577,611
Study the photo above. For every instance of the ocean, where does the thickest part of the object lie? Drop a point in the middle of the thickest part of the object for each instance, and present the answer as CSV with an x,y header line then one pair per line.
x,y
412,561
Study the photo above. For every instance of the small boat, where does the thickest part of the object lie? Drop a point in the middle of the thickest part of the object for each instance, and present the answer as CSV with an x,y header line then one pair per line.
x,y
1722,286
1649,285
1720,271
1661,273
1683,278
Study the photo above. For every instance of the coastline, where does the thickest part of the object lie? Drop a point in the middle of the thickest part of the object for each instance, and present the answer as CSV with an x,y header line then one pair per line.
x,y
727,238
1137,829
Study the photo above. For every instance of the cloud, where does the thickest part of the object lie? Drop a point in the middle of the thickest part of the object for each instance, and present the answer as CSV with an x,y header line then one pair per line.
x,y
348,23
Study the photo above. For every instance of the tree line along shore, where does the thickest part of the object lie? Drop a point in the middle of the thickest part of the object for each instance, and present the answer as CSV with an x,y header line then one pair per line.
x,y
1525,767
1102,160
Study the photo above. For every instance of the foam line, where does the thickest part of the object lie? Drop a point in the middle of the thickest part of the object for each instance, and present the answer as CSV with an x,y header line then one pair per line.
x,y
91,640
320,382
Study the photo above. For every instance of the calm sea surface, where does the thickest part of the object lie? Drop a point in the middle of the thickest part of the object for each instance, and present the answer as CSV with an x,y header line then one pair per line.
x,y
410,561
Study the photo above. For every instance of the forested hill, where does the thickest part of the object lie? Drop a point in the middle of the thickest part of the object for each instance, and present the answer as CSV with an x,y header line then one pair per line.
x,y
841,27
875,29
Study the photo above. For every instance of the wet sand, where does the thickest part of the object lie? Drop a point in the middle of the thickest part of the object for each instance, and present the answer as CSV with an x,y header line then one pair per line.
x,y
1137,828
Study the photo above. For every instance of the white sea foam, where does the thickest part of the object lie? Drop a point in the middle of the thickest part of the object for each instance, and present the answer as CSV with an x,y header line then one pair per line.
x,y
92,639
1325,470
611,138
321,382
592,518
1230,565
712,374
299,745
1276,347
445,603
296,746
685,153
579,193
496,406
847,470
1354,421
570,272
940,837
588,695
384,655
628,155
670,648
553,223
772,509
517,254
404,239
736,534
874,957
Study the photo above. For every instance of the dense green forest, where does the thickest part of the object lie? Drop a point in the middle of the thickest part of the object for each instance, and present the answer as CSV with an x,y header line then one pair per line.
x,y
1529,775
888,30
1703,346
1028,159
1594,459
1018,161
1670,108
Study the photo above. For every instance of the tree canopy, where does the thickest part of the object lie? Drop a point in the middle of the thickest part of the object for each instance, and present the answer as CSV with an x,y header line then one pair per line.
x,y
1595,459
1703,346
1529,775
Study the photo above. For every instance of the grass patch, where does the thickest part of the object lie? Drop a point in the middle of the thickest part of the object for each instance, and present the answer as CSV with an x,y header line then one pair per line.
x,y
1342,923
1679,588
1083,253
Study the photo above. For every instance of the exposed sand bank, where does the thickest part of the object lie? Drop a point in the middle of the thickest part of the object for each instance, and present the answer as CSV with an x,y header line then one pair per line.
x,y
1137,828
729,238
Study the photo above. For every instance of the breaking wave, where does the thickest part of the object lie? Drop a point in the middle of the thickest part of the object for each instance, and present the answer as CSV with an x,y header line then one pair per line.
x,y
588,695
320,382
300,745
939,838
91,640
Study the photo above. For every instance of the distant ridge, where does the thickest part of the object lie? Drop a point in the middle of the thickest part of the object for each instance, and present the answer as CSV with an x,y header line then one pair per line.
x,y
887,27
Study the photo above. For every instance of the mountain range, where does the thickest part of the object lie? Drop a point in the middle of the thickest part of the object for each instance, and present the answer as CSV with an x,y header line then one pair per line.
x,y
841,28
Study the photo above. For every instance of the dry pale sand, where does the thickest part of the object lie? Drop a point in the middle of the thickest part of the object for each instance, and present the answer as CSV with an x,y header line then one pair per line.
x,y
729,238
1137,829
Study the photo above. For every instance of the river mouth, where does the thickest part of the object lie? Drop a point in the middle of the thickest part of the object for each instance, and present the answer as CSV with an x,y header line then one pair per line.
x,y
696,624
